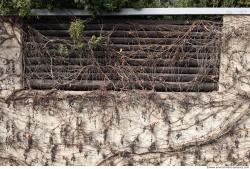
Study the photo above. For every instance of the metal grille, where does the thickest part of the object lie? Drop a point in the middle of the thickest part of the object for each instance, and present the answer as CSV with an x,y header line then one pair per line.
x,y
135,53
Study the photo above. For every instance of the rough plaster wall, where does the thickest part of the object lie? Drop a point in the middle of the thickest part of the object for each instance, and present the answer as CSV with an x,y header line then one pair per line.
x,y
10,57
134,128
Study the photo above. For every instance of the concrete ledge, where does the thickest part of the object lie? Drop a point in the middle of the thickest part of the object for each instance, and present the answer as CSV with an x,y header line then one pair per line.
x,y
145,11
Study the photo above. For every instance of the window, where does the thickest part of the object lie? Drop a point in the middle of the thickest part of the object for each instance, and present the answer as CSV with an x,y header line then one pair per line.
x,y
123,53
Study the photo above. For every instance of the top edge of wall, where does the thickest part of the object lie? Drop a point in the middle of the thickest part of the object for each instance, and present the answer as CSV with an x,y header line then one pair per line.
x,y
145,11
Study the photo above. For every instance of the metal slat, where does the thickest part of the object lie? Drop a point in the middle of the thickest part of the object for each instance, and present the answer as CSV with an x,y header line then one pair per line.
x,y
123,20
131,40
137,69
129,76
94,85
132,62
128,27
145,34
128,54
123,47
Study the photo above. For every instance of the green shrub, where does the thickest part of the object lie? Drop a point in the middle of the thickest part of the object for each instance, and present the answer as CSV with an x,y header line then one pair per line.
x,y
62,49
101,5
95,41
76,32
21,7
212,3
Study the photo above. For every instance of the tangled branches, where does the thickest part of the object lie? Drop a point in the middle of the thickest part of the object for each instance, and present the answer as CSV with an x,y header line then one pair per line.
x,y
128,128
181,56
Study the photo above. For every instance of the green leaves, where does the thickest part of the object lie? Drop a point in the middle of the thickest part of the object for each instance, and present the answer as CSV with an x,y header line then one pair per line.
x,y
62,49
23,6
99,6
213,3
76,32
20,7
95,41
7,7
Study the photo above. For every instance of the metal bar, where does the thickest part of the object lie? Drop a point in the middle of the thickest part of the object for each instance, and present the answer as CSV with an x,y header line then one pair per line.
x,y
118,85
145,11
146,69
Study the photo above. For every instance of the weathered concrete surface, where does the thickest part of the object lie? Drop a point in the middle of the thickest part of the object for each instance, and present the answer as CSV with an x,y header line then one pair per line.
x,y
133,128
10,57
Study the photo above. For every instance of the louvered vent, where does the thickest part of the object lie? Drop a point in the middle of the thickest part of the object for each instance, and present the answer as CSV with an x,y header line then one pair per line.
x,y
143,54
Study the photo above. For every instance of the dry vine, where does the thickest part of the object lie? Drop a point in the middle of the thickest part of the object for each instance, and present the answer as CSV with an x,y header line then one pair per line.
x,y
126,128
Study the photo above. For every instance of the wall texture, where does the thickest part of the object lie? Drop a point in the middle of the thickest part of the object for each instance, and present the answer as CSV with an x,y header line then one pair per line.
x,y
128,128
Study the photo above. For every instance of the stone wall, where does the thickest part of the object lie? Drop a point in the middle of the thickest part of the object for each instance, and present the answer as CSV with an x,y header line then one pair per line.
x,y
128,128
